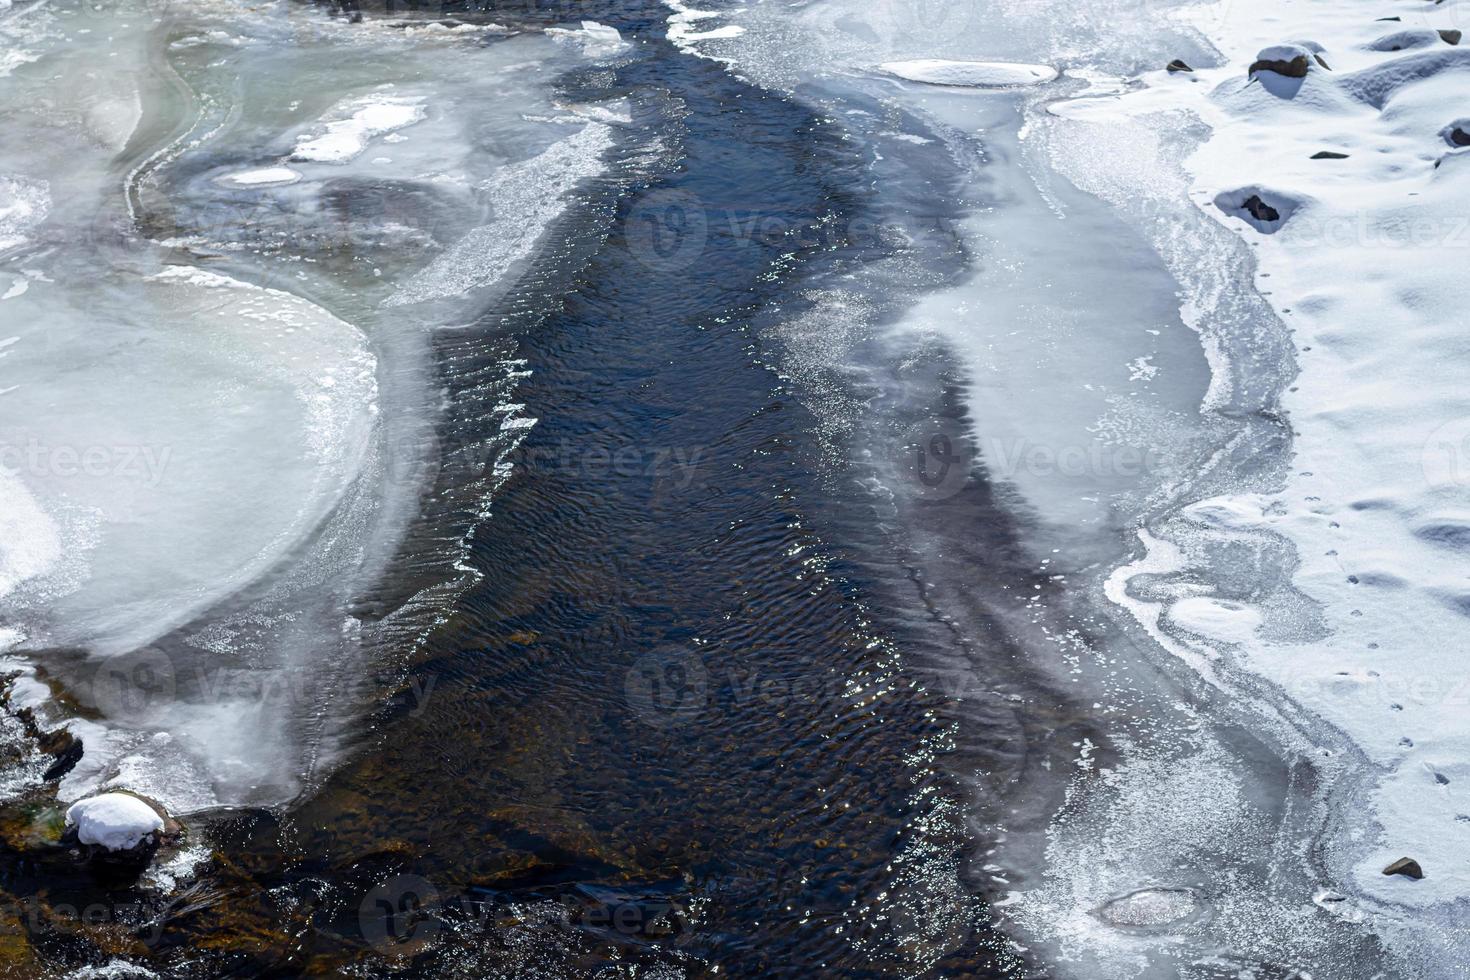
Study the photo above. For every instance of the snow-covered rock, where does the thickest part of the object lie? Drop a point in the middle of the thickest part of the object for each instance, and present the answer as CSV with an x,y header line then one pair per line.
x,y
114,821
1289,60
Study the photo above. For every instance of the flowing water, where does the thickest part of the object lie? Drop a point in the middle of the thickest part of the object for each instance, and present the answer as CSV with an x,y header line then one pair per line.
x,y
540,493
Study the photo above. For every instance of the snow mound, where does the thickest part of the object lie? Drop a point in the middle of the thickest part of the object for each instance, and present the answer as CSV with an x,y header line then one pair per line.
x,y
1288,60
1406,40
115,821
1378,84
970,74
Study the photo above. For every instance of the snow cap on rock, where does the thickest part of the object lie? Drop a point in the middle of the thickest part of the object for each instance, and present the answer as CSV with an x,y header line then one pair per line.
x,y
114,821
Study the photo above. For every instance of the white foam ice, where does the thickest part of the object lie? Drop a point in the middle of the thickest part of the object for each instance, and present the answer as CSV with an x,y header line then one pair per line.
x,y
523,199
24,204
353,124
686,35
594,39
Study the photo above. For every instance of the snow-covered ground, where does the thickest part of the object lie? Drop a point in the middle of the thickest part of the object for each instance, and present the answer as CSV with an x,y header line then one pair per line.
x,y
1363,250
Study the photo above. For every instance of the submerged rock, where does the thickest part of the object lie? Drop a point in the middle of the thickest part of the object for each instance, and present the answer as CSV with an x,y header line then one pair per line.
x,y
1152,908
1405,867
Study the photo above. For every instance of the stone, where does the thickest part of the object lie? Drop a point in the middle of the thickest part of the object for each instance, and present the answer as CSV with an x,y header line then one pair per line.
x,y
1405,867
1177,65
1260,210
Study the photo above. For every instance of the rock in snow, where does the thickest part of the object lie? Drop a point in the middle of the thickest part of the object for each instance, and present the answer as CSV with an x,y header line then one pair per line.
x,y
114,822
1407,867
1457,133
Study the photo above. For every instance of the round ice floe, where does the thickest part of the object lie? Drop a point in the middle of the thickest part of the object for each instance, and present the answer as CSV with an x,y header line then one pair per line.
x,y
114,821
1151,908
1217,619
970,74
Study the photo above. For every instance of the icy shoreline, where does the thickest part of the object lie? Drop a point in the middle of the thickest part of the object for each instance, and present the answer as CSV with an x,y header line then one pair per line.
x,y
1344,176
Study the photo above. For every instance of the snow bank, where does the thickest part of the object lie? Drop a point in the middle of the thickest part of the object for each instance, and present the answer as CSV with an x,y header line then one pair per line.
x,y
1368,272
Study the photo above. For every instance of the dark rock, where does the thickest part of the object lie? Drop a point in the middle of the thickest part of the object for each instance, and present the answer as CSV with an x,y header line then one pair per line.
x,y
65,760
1451,37
1322,61
1177,65
1329,155
1459,137
1260,210
1406,867
1394,19
1295,68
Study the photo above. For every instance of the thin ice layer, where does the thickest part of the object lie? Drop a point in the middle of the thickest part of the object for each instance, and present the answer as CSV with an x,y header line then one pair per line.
x,y
247,413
